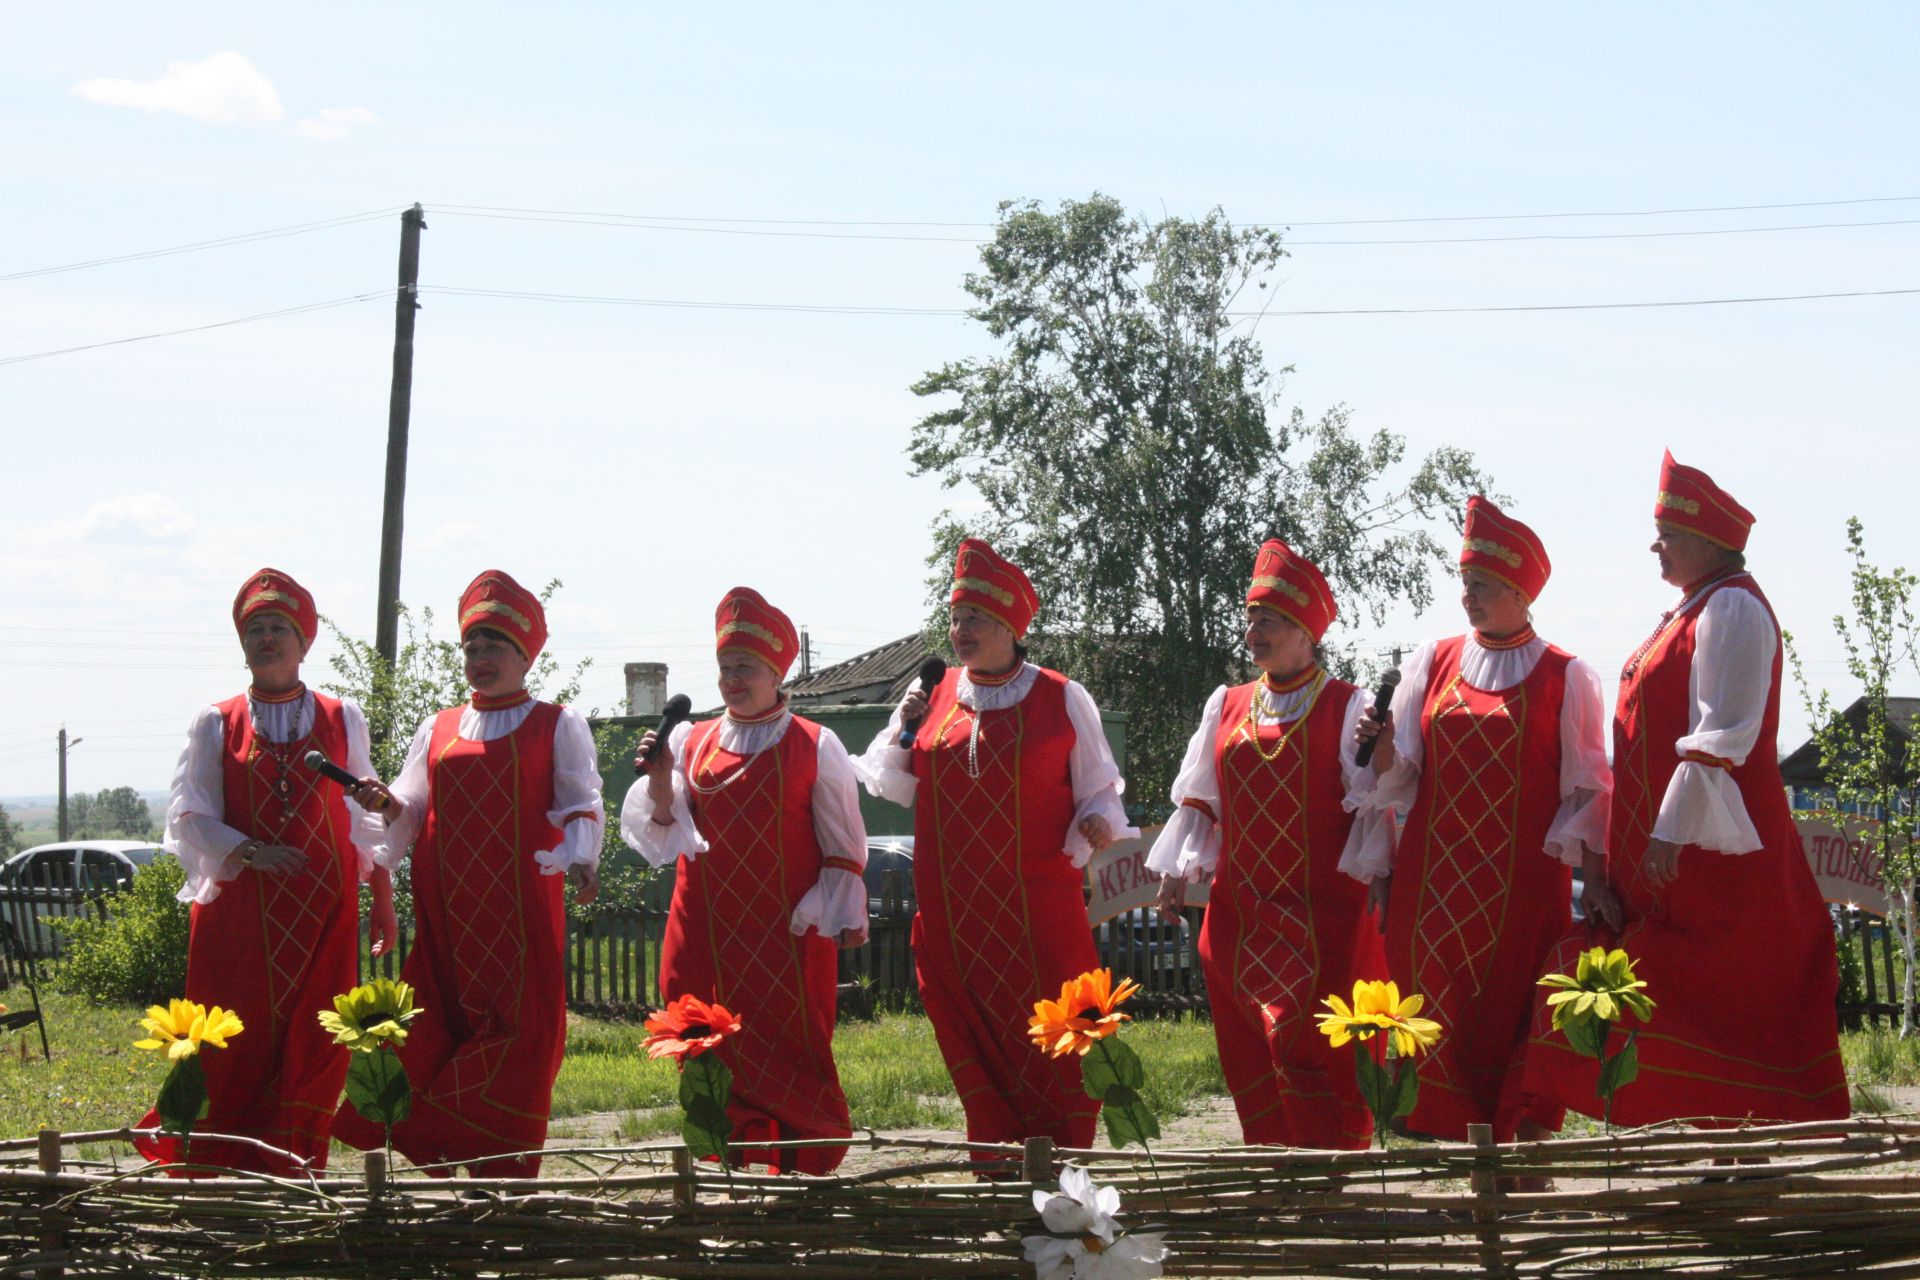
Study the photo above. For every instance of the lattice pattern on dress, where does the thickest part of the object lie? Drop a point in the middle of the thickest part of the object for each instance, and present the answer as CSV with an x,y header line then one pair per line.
x,y
1469,853
295,907
1276,962
760,975
481,873
989,933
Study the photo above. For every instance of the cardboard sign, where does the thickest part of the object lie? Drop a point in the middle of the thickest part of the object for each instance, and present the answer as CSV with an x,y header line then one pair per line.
x,y
1846,869
1118,879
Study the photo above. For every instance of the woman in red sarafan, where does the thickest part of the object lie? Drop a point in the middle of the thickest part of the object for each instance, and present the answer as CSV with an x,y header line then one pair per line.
x,y
1013,790
1265,802
1718,896
759,811
1497,748
274,856
497,800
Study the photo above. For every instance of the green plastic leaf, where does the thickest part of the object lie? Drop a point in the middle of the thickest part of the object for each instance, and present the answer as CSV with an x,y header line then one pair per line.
x,y
1588,1035
183,1096
377,1087
1377,1088
1620,1070
705,1085
1128,1117
1111,1064
1407,1091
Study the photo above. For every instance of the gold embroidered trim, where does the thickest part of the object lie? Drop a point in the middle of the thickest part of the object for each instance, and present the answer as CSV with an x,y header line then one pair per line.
x,y
1677,503
1284,587
1505,555
753,629
270,597
499,607
985,588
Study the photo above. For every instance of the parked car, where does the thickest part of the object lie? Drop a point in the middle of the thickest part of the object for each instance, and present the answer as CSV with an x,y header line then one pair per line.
x,y
63,880
1139,941
889,876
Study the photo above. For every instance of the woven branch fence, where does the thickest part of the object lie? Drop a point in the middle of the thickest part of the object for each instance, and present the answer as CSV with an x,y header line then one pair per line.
x,y
1829,1198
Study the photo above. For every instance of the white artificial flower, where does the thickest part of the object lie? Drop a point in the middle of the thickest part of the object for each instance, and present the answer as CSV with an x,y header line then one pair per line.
x,y
1089,1244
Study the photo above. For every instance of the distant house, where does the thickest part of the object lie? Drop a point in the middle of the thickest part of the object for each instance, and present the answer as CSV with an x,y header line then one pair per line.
x,y
1800,768
876,676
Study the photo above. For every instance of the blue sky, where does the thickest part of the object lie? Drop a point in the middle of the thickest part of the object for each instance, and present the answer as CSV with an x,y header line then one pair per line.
x,y
652,457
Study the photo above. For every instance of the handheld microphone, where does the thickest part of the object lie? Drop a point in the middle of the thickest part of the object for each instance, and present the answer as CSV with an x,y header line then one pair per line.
x,y
932,671
1382,701
678,708
318,762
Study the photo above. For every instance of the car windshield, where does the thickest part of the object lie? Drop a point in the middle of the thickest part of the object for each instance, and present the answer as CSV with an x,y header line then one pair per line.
x,y
143,856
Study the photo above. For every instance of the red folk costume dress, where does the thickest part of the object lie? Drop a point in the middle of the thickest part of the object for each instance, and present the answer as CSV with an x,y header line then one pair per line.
x,y
1265,802
999,776
1738,952
768,844
1501,755
496,798
275,949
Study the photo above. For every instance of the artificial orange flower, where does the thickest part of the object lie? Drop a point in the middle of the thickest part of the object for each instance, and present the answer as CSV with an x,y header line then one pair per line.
x,y
1087,1010
687,1028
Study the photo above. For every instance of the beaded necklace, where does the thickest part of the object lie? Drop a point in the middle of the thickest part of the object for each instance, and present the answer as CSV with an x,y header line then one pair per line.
x,y
980,680
1668,618
281,753
713,749
1262,701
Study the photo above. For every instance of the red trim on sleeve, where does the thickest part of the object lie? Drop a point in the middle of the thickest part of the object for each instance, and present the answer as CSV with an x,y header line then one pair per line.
x,y
843,864
1712,762
577,813
1202,806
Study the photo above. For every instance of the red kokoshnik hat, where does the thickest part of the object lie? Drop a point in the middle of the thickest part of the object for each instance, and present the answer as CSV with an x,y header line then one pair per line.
x,y
985,579
1690,500
745,621
1497,544
495,600
271,591
1291,585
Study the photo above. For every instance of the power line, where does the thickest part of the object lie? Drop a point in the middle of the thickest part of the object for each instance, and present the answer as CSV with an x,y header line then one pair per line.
x,y
834,309
641,223
201,328
249,237
1271,222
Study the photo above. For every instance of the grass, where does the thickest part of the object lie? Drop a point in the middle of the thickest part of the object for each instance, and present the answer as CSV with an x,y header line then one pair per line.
x,y
890,1068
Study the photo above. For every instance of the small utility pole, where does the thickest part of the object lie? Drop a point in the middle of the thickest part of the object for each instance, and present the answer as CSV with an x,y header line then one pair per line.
x,y
65,746
806,653
399,415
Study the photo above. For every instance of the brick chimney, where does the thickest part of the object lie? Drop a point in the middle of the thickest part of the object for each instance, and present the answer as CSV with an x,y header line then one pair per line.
x,y
646,688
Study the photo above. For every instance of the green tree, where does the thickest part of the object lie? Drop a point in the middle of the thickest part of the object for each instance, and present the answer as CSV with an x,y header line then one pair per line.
x,y
1122,443
1872,778
9,833
121,811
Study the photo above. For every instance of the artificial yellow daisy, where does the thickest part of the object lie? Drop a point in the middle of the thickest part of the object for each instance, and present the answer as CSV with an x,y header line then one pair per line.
x,y
370,1015
1377,1007
182,1026
1603,986
1087,1011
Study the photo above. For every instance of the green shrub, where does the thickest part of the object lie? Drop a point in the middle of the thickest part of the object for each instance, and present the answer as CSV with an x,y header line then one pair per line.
x,y
138,954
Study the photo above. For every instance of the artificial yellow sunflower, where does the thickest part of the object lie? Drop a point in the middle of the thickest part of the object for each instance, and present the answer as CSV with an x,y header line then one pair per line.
x,y
1087,1011
182,1026
1377,1007
370,1015
1603,986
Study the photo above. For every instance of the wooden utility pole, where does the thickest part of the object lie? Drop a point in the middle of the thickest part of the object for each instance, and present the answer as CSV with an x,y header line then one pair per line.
x,y
399,415
65,746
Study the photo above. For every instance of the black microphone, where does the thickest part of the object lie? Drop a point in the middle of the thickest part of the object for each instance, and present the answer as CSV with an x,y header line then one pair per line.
x,y
318,762
932,672
678,708
1382,700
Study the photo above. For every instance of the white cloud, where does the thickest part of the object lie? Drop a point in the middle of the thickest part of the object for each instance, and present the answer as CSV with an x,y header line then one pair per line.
x,y
334,123
225,88
132,517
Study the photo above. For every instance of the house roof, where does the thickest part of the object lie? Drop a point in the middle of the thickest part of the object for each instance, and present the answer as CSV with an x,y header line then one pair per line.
x,y
1801,766
878,675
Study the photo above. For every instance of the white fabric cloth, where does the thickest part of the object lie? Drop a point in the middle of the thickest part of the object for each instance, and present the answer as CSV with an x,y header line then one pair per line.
x,y
838,899
576,786
1189,845
196,830
1586,779
887,767
1734,643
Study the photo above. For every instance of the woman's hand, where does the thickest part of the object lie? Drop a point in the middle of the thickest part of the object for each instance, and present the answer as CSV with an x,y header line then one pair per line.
x,y
1379,889
585,878
659,770
383,926
371,794
1171,901
914,707
273,859
1661,865
1380,734
1599,904
851,938
1094,830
